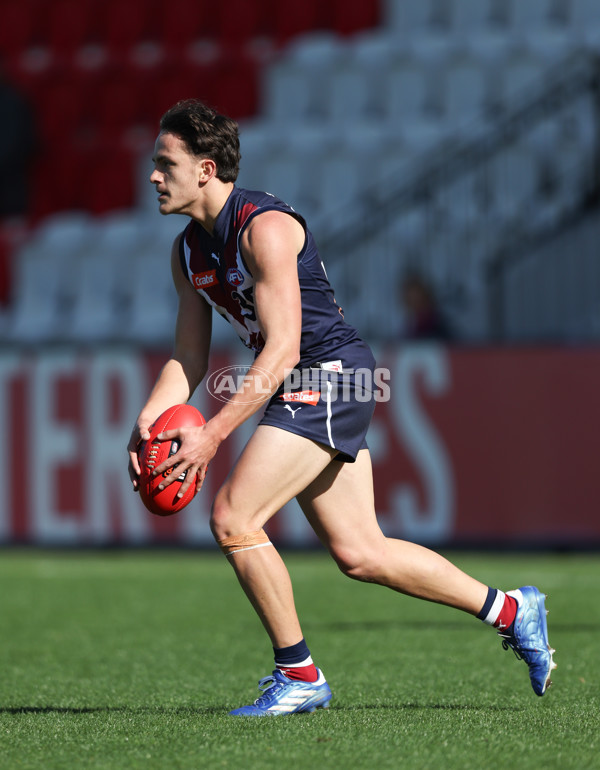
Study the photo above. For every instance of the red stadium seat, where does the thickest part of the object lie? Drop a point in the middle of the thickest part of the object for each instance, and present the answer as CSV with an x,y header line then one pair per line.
x,y
180,22
67,25
238,21
85,107
349,16
122,25
92,68
194,75
60,176
33,69
236,92
197,82
227,82
290,19
20,26
109,180
61,110
6,252
120,104
5,269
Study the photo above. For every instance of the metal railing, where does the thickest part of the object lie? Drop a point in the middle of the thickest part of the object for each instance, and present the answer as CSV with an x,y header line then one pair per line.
x,y
472,210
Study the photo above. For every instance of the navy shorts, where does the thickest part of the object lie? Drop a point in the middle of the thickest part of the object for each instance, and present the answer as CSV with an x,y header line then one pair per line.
x,y
332,408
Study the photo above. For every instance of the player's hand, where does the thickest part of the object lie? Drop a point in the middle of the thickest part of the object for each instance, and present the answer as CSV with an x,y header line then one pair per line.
x,y
197,447
140,432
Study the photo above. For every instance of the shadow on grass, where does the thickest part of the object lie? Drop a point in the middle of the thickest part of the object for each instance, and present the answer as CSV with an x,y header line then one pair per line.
x,y
183,710
221,710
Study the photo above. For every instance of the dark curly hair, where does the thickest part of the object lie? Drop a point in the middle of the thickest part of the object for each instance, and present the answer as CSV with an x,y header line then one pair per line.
x,y
206,134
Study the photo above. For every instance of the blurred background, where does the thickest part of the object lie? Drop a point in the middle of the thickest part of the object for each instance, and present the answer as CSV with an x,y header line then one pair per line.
x,y
446,156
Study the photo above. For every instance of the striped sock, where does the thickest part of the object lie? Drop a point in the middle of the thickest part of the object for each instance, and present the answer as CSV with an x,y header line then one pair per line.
x,y
499,609
295,662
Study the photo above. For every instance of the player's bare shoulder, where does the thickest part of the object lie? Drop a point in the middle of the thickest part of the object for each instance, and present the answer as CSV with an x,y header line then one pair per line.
x,y
271,233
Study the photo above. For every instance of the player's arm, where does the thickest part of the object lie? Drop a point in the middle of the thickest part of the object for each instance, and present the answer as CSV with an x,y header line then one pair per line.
x,y
270,245
187,366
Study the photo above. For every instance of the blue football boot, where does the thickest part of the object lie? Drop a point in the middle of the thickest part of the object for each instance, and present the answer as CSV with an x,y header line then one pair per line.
x,y
281,695
529,637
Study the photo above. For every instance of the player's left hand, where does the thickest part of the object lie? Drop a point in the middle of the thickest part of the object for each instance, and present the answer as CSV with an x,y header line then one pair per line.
x,y
197,447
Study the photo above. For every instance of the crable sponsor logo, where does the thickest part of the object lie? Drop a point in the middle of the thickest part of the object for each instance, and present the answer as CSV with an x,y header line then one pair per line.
x,y
226,382
302,396
203,280
235,277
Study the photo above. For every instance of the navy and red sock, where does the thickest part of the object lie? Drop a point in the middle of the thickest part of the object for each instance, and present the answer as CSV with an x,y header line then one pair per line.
x,y
499,610
295,662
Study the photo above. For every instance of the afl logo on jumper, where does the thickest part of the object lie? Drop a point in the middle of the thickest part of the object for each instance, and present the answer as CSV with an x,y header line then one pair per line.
x,y
235,277
204,280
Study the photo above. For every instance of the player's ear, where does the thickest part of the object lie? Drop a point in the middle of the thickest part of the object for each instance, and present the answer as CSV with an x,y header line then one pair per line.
x,y
207,170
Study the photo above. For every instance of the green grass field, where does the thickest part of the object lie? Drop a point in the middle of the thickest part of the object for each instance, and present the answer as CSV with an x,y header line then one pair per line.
x,y
132,660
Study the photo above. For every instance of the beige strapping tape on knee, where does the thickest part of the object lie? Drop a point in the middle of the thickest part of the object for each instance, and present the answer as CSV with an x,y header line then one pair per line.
x,y
247,542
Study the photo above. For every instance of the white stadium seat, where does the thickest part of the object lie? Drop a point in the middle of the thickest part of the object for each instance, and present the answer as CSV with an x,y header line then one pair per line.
x,y
103,278
295,87
287,177
515,178
406,16
44,277
466,89
152,307
407,86
375,48
522,72
258,140
530,14
351,93
583,14
470,17
290,94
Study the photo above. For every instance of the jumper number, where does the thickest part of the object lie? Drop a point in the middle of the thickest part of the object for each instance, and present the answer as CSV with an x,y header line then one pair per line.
x,y
245,297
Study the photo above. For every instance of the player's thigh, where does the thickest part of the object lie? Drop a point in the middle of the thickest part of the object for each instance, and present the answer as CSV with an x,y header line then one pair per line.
x,y
340,506
273,468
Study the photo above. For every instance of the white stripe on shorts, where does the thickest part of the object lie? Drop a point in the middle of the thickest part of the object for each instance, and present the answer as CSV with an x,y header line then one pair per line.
x,y
329,386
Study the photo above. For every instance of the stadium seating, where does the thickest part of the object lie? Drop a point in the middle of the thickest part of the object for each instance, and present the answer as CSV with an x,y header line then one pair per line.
x,y
68,26
20,25
103,276
334,98
465,89
106,70
44,278
149,302
295,87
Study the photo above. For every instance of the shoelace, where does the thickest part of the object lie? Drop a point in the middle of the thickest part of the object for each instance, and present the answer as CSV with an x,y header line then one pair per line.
x,y
507,644
521,653
266,686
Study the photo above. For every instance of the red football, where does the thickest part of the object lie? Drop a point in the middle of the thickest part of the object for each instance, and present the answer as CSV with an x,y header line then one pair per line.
x,y
164,502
